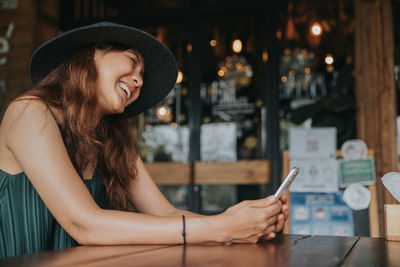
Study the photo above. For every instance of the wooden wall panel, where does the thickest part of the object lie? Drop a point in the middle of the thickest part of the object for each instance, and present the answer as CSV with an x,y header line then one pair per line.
x,y
33,25
375,88
169,173
238,172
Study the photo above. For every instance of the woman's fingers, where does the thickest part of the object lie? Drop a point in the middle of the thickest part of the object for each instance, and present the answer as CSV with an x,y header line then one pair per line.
x,y
283,199
263,202
273,209
285,211
269,236
280,223
269,233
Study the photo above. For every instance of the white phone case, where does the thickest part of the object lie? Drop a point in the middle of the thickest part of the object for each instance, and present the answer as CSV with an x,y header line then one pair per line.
x,y
287,182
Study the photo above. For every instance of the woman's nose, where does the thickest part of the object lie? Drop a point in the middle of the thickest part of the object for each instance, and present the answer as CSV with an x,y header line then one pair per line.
x,y
137,80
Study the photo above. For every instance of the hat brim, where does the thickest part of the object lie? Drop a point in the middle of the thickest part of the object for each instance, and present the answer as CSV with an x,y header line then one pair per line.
x,y
160,71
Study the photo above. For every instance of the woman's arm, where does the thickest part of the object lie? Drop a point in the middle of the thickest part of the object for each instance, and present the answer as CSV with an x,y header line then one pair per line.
x,y
34,138
147,197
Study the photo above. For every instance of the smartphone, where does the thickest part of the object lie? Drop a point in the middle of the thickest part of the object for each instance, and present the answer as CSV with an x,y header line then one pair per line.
x,y
287,182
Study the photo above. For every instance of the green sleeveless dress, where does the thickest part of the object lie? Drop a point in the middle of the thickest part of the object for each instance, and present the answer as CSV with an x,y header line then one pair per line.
x,y
26,224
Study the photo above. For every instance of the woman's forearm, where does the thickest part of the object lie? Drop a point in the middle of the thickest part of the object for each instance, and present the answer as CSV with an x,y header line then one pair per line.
x,y
246,222
179,212
111,227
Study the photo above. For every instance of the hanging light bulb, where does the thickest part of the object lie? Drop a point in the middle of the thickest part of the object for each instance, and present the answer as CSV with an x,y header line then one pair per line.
x,y
237,46
316,29
164,113
180,77
279,34
161,110
213,43
265,56
329,59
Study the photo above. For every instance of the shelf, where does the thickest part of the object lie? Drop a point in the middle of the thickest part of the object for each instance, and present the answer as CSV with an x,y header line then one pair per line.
x,y
238,172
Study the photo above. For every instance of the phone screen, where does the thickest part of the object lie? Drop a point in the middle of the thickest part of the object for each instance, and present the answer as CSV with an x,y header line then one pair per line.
x,y
287,182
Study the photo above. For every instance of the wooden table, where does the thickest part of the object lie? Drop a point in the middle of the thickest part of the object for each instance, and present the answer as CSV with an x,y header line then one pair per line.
x,y
285,250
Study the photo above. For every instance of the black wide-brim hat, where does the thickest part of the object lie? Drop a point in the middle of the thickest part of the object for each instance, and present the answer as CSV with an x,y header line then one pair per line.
x,y
160,71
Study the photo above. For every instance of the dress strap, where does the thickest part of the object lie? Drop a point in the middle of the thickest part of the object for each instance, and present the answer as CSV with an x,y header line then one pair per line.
x,y
52,113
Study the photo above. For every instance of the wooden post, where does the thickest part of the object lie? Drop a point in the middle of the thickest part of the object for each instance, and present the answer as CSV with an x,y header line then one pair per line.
x,y
24,25
375,88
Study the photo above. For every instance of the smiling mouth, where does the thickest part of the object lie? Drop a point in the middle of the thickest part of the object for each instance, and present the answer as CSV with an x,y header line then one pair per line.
x,y
126,89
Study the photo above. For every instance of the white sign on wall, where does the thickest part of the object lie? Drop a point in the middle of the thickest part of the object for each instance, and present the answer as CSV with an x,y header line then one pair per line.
x,y
312,143
218,142
316,175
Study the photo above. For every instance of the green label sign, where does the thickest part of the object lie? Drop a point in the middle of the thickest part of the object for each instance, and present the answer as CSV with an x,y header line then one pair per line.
x,y
357,171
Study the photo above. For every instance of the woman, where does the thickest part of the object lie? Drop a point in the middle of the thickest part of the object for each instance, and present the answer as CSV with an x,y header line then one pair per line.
x,y
69,171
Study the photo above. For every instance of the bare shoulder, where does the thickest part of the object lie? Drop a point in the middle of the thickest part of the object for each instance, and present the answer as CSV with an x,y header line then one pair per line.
x,y
24,106
24,115
23,121
25,109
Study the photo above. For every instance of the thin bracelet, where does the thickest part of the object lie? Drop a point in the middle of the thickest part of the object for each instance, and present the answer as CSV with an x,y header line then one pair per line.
x,y
183,230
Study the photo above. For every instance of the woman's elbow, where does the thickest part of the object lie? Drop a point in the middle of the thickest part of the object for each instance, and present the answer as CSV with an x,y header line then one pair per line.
x,y
81,234
83,230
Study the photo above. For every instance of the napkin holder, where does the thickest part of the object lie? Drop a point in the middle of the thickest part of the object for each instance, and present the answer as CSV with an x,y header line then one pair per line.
x,y
392,222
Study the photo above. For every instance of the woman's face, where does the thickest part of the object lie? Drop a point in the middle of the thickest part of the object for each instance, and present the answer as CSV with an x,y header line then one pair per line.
x,y
120,77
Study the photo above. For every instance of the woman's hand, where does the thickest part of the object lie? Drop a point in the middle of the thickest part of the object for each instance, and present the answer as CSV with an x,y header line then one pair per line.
x,y
251,220
282,217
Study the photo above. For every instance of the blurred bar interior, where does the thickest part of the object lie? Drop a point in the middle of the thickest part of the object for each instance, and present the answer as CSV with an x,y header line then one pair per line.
x,y
249,72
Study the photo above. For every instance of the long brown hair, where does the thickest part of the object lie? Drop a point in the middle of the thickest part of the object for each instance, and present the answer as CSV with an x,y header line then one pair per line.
x,y
71,88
